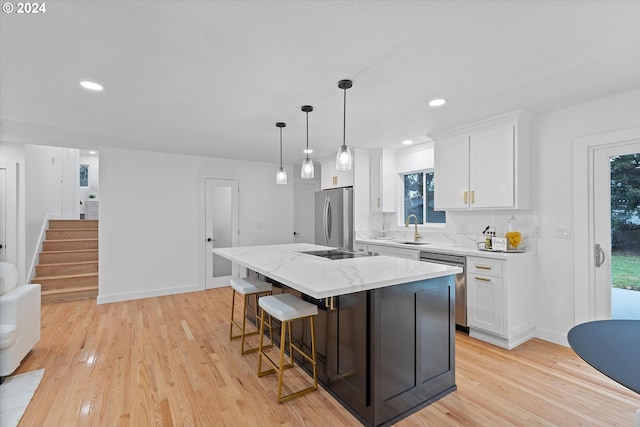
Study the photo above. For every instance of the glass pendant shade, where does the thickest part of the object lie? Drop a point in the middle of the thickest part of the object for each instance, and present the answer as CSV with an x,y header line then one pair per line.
x,y
343,158
306,172
281,176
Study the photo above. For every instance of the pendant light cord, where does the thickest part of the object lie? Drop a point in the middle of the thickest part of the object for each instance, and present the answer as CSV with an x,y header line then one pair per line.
x,y
280,147
344,118
307,134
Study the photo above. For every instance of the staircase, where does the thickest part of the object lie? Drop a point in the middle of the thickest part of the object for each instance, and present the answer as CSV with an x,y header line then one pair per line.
x,y
68,263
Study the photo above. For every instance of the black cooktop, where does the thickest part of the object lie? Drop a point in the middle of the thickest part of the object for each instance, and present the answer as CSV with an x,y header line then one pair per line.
x,y
334,254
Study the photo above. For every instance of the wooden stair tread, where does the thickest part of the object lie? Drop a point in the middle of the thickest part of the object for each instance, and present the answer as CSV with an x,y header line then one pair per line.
x,y
69,250
68,276
74,229
90,239
68,290
67,263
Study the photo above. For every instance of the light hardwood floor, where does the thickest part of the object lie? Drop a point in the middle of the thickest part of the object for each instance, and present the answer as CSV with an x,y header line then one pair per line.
x,y
168,361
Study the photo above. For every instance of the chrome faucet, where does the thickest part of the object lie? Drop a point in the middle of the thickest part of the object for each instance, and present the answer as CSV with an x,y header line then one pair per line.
x,y
416,236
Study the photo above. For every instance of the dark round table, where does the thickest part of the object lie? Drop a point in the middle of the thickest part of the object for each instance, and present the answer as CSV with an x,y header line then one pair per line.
x,y
612,347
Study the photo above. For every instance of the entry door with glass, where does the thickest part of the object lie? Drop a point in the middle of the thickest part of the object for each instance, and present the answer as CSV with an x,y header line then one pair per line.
x,y
221,228
616,235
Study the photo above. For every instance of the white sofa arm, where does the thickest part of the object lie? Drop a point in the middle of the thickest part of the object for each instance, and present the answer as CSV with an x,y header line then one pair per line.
x,y
20,307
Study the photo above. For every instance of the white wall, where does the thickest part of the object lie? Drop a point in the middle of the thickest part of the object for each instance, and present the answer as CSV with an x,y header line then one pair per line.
x,y
553,198
51,191
151,224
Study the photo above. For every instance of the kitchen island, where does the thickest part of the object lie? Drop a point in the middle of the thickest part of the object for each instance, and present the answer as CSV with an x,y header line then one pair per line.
x,y
385,327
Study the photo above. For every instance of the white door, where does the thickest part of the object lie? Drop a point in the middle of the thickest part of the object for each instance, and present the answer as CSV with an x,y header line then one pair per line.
x,y
221,228
303,211
8,212
3,215
601,243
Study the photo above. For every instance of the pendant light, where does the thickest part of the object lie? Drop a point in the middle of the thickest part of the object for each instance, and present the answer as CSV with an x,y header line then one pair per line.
x,y
343,159
306,171
281,176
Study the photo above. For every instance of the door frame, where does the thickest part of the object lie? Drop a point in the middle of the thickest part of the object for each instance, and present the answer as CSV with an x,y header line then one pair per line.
x,y
202,229
583,221
11,203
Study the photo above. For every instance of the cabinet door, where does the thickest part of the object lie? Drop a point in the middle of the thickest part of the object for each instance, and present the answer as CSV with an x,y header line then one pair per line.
x,y
347,359
332,178
491,168
451,167
376,183
484,303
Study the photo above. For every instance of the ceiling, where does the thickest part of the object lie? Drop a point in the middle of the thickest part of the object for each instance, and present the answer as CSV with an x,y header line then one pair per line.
x,y
212,77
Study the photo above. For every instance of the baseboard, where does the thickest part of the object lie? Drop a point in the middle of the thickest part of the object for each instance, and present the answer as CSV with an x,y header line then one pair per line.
x,y
551,336
507,344
106,299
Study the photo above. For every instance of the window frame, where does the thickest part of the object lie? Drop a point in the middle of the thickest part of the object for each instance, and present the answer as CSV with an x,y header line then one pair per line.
x,y
425,200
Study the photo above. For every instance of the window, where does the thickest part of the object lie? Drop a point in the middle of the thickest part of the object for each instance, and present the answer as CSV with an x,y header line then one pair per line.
x,y
418,198
84,175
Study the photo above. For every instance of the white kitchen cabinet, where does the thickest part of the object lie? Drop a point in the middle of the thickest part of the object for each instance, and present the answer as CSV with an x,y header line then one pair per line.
x,y
501,299
383,178
394,252
330,177
484,165
484,295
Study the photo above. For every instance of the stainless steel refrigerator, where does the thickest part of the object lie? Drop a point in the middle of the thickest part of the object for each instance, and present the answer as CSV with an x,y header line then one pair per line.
x,y
334,218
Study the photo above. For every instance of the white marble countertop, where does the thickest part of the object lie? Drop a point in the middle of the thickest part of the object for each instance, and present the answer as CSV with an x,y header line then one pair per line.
x,y
446,248
321,277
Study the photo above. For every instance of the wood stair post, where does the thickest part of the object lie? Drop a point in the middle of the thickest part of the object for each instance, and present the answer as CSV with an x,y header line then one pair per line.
x,y
68,262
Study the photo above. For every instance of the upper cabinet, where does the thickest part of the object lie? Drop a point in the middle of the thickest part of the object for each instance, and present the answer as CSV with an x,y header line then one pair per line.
x,y
330,177
484,165
383,180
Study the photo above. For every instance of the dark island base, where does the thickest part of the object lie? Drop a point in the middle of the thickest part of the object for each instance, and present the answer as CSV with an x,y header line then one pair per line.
x,y
385,353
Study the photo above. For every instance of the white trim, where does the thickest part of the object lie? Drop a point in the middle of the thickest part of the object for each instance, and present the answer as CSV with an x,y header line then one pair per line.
x,y
36,253
584,283
11,176
148,294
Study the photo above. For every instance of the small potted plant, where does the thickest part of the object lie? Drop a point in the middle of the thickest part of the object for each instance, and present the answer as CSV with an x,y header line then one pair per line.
x,y
92,196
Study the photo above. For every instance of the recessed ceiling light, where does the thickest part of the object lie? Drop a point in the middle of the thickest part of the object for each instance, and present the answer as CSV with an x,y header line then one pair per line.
x,y
307,151
437,102
92,152
91,85
407,142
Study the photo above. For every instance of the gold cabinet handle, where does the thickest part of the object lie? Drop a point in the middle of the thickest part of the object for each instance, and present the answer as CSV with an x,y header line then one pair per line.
x,y
482,279
330,303
378,201
483,267
465,197
473,196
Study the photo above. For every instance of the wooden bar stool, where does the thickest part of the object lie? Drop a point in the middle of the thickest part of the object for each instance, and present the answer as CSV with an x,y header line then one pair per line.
x,y
287,308
248,287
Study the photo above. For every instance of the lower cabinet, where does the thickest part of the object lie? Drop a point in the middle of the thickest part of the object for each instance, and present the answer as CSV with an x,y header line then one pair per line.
x,y
388,352
413,352
501,299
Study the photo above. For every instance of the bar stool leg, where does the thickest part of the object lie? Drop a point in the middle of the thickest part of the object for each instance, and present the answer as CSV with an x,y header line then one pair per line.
x,y
283,334
244,323
233,305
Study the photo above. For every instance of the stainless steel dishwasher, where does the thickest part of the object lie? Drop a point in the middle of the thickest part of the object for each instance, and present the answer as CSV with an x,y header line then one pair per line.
x,y
461,283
